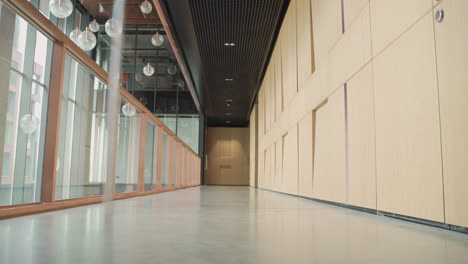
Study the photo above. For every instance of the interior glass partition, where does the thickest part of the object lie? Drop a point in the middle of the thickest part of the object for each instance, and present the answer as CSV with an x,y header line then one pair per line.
x,y
24,87
83,135
151,155
165,161
128,148
174,163
188,127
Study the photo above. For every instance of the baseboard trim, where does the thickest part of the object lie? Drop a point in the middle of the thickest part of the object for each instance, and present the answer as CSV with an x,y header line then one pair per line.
x,y
455,228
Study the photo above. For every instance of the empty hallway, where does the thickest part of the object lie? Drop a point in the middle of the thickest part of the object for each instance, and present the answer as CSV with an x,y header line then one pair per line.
x,y
233,131
223,225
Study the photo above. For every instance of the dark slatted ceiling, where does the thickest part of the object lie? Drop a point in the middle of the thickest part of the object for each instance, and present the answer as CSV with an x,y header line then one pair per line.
x,y
249,24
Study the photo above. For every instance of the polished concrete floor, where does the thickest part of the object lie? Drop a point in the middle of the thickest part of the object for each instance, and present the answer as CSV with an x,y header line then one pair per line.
x,y
223,225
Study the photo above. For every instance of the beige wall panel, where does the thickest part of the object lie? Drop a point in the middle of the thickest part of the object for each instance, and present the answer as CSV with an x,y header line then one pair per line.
x,y
278,79
261,111
267,90
305,156
326,16
361,140
289,56
253,147
267,168
304,41
271,80
352,9
273,165
228,165
409,168
271,157
436,2
452,59
261,167
352,52
271,87
278,165
290,162
329,161
390,18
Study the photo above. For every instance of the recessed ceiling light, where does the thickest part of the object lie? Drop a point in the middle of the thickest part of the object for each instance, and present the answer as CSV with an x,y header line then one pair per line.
x,y
226,44
228,100
229,79
231,44
228,104
228,114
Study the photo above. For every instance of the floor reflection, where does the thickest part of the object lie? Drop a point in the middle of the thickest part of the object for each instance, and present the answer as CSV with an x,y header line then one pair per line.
x,y
223,225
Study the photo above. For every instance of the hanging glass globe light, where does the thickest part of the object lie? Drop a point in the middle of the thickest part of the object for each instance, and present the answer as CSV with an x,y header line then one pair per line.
x,y
74,35
138,77
143,100
94,26
146,7
181,84
113,28
29,123
148,70
128,110
157,40
61,8
172,69
87,40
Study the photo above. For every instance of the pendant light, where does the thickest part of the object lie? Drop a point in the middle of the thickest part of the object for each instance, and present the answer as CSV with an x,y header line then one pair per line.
x,y
146,7
29,123
61,8
94,26
87,40
143,100
113,29
128,110
172,69
148,70
181,84
74,35
157,40
138,77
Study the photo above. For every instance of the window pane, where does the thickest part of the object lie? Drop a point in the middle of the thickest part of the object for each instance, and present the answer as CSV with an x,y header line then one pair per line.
x,y
23,108
165,161
174,164
129,142
150,168
188,129
83,136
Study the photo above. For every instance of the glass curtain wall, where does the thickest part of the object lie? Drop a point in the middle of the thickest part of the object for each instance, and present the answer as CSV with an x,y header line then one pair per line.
x,y
83,135
165,93
128,148
25,70
25,57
